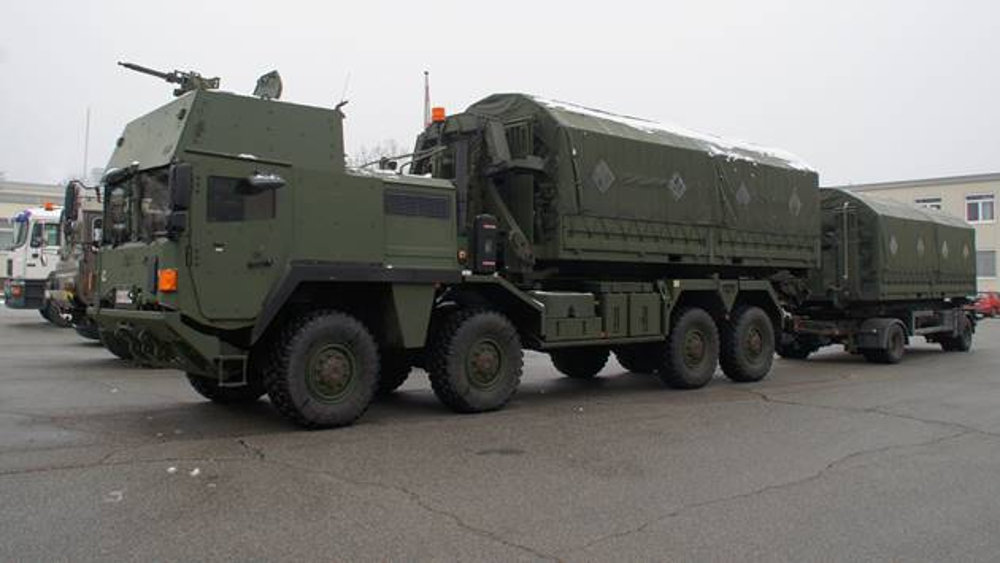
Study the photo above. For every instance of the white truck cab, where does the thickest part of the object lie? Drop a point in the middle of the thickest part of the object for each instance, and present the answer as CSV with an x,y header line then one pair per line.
x,y
32,256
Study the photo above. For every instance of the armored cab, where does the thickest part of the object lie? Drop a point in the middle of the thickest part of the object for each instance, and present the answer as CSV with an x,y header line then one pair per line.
x,y
585,191
877,250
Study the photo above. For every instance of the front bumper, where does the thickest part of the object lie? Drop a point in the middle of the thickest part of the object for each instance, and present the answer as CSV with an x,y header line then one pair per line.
x,y
24,294
162,339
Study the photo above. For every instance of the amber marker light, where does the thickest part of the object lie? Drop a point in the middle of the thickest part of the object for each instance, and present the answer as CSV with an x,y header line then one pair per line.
x,y
49,206
437,115
167,280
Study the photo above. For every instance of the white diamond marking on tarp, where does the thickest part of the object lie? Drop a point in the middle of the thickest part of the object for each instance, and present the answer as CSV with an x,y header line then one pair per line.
x,y
677,185
893,245
795,204
945,251
965,251
921,247
603,177
743,195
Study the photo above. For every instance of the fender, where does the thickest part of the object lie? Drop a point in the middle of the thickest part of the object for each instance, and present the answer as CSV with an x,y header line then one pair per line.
x,y
299,272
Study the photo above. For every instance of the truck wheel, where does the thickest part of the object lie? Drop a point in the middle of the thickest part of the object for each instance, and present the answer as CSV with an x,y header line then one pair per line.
x,y
475,361
87,329
639,358
51,313
894,350
961,342
323,370
211,390
395,369
691,352
747,345
116,346
580,363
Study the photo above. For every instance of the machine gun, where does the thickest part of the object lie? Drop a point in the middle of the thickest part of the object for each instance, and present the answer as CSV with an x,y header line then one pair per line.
x,y
186,81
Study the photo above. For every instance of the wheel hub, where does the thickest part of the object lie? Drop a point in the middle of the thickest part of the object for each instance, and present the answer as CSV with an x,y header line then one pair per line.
x,y
484,364
694,348
755,342
331,373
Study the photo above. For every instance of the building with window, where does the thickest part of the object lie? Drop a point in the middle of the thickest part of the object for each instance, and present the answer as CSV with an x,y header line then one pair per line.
x,y
972,198
16,196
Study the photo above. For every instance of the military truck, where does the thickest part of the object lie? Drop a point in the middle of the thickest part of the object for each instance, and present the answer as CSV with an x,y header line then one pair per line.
x,y
33,256
890,272
240,249
72,284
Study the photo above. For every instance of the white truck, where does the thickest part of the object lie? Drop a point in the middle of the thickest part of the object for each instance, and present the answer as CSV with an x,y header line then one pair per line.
x,y
33,255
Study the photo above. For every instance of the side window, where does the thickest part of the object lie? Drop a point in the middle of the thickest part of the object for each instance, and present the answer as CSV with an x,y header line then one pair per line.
x,y
227,204
36,235
52,234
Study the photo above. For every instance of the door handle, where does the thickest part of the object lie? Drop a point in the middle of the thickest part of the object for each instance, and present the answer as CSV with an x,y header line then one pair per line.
x,y
254,264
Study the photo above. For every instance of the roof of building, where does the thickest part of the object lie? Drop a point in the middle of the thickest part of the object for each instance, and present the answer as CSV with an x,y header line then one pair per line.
x,y
29,193
926,182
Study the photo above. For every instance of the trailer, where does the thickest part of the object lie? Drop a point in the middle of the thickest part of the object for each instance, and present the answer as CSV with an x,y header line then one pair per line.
x,y
890,272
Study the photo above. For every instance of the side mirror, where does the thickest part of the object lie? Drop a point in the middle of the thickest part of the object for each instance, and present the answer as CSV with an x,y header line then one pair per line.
x,y
176,224
37,242
181,185
259,183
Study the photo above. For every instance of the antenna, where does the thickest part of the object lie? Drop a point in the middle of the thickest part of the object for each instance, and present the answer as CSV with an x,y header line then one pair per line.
x,y
427,99
343,93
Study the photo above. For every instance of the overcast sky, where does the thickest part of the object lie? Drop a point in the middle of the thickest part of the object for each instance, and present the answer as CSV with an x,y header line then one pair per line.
x,y
863,90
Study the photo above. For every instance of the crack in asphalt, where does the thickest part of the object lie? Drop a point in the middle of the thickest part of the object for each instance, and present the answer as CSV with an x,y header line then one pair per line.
x,y
767,489
877,410
414,497
961,430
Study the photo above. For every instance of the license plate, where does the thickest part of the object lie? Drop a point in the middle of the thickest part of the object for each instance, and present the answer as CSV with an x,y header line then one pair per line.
x,y
122,297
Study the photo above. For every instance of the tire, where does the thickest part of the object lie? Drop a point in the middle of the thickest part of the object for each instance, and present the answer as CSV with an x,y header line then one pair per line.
x,y
692,350
894,350
395,370
322,371
88,330
51,313
797,348
211,390
116,346
580,363
961,342
639,358
475,361
747,345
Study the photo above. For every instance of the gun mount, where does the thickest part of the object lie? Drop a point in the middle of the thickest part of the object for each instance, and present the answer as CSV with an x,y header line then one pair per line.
x,y
186,81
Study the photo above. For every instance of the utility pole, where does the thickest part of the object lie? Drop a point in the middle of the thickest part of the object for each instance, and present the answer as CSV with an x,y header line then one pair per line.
x,y
427,99
86,147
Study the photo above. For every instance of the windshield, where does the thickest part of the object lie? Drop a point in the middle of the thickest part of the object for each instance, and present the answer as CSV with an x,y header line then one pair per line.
x,y
137,207
20,234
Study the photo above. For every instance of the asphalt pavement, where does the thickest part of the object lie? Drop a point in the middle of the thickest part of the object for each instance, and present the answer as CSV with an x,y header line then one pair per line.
x,y
831,459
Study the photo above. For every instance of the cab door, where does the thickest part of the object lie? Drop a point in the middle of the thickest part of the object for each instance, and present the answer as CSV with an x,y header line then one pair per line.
x,y
236,248
43,251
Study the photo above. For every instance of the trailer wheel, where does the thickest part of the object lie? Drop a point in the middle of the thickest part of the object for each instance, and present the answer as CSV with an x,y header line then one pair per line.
x,y
395,370
894,350
691,352
323,370
475,361
747,345
962,342
211,390
580,363
639,358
